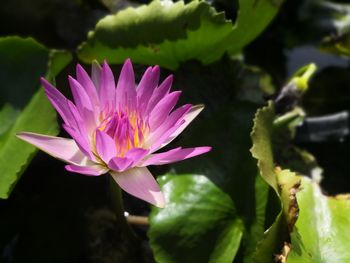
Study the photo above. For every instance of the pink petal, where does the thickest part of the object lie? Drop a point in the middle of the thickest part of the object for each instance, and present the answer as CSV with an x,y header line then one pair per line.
x,y
79,131
126,89
132,157
175,155
61,148
96,75
81,141
189,117
120,164
159,139
170,125
80,96
162,109
107,88
83,103
59,102
136,154
139,182
105,146
88,170
159,93
85,81
65,108
147,85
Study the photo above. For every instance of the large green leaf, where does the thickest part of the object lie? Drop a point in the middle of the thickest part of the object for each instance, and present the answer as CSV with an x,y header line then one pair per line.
x,y
302,202
271,241
8,116
321,233
262,148
256,231
23,62
253,17
162,32
284,183
168,33
199,223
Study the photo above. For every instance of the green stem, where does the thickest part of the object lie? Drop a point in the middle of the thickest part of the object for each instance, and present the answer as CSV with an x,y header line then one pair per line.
x,y
118,207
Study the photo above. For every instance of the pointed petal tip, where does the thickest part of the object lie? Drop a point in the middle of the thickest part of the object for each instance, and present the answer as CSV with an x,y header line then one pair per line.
x,y
72,81
128,65
160,200
128,61
186,107
20,135
177,93
105,66
80,70
170,79
95,64
156,69
206,149
70,78
46,84
78,67
26,136
198,107
148,70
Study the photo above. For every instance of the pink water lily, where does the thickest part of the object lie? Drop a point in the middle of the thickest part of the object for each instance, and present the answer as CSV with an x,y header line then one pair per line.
x,y
118,129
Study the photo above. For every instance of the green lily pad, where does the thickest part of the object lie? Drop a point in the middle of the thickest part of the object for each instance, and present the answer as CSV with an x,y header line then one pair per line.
x,y
168,33
198,224
321,233
284,182
163,33
262,148
271,241
8,116
24,61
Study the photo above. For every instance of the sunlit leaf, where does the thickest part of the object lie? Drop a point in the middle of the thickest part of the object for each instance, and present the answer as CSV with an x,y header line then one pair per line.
x,y
262,144
162,32
321,233
168,33
284,183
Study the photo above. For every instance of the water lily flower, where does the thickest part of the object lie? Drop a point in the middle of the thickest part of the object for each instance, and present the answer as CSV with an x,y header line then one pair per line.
x,y
118,129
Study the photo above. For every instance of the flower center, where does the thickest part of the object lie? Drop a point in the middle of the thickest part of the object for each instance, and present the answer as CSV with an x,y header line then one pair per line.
x,y
128,130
